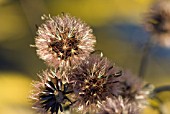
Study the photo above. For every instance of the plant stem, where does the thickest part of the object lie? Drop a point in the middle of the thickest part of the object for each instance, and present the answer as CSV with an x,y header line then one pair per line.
x,y
145,58
161,89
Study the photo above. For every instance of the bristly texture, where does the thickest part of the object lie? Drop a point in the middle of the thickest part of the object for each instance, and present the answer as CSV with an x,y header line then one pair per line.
x,y
157,22
132,99
50,93
63,40
135,90
93,80
118,105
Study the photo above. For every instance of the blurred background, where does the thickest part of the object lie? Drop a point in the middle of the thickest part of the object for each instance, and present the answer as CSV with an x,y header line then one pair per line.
x,y
117,24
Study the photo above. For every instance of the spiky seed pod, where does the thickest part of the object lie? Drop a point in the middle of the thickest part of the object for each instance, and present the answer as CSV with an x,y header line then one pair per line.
x,y
157,22
49,94
135,90
93,80
63,40
131,100
118,105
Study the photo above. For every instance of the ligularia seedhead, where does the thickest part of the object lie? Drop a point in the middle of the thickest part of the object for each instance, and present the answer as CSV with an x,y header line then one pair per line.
x,y
50,93
157,22
64,40
80,79
118,106
93,80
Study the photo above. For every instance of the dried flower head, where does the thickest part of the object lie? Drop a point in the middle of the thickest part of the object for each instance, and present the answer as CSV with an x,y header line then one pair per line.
x,y
163,40
135,90
63,40
157,21
50,93
131,100
118,105
93,80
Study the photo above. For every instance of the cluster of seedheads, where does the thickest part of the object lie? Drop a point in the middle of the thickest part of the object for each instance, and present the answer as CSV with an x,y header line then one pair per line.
x,y
77,78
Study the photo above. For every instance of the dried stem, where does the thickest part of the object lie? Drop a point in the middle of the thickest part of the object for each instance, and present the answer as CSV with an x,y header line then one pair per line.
x,y
145,58
161,89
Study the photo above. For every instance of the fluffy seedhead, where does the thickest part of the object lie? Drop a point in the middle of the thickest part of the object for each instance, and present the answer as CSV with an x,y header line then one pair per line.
x,y
135,90
131,100
93,80
50,94
64,40
118,105
157,22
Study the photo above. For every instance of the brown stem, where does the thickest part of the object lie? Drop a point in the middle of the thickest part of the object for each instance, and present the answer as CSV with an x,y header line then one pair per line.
x,y
161,89
144,60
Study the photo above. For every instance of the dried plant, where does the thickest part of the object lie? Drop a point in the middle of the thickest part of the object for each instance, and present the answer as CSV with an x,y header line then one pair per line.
x,y
49,94
93,80
131,100
64,40
135,89
85,81
118,105
157,22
